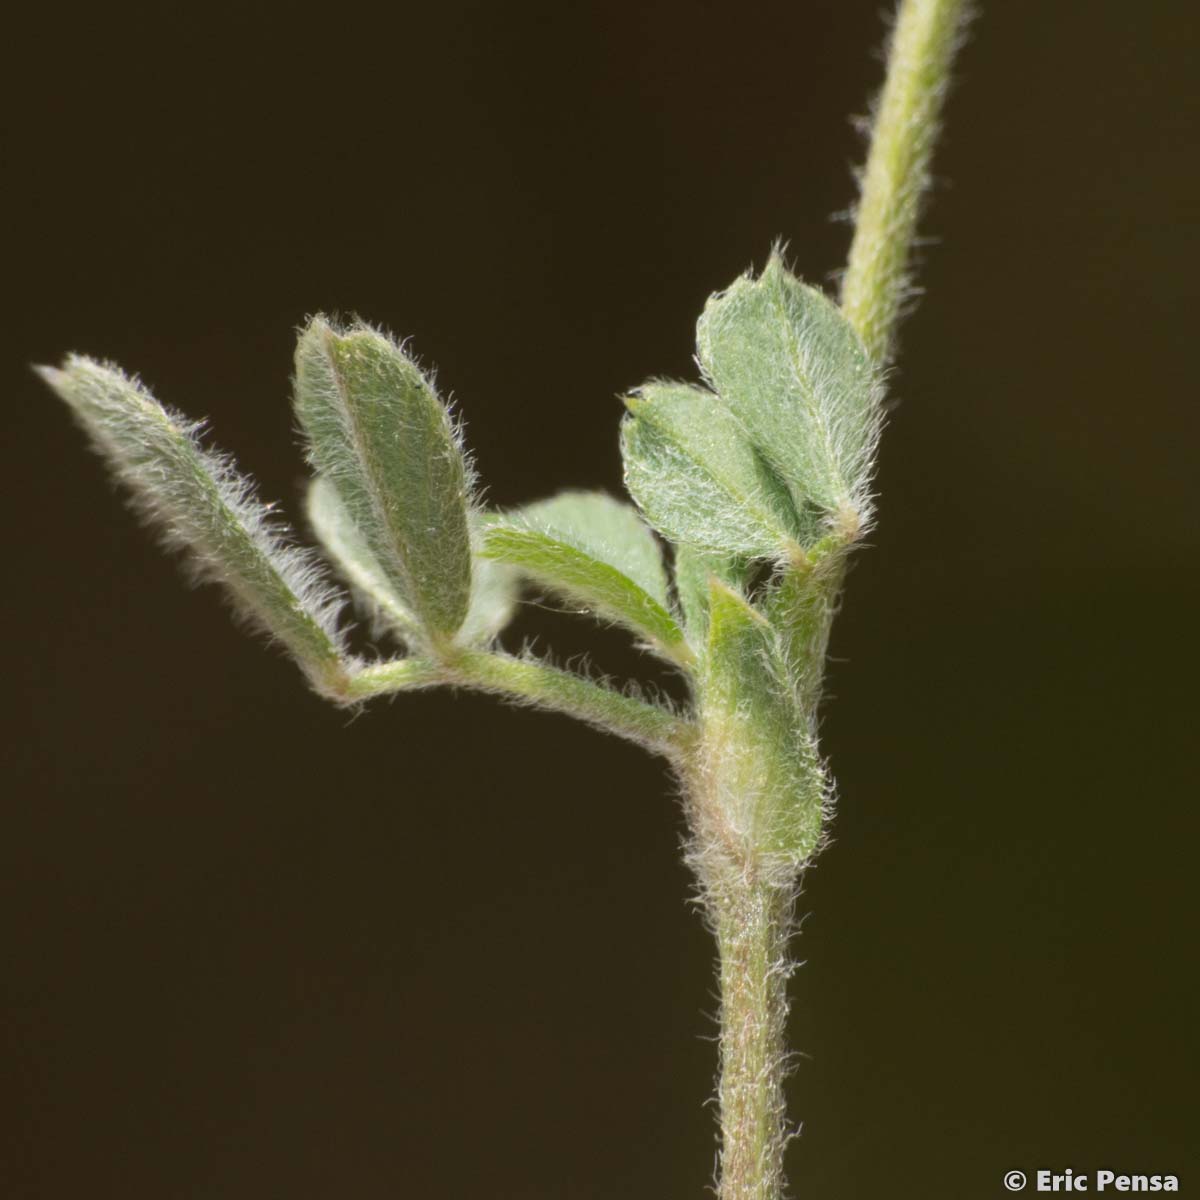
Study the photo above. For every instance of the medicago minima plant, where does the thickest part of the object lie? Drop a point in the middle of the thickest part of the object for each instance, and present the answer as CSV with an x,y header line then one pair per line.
x,y
757,479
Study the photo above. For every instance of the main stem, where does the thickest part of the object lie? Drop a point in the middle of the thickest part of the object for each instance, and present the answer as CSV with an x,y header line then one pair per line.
x,y
751,912
896,176
752,923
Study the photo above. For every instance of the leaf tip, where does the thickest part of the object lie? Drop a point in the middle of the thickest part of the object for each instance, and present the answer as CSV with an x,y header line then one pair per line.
x,y
726,596
847,523
776,261
55,378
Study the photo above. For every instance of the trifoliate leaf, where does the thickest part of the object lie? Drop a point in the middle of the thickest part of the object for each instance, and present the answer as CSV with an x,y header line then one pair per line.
x,y
203,506
700,482
378,432
794,373
596,551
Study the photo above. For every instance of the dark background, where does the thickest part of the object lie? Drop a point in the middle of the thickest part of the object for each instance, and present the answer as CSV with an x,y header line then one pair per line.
x,y
254,948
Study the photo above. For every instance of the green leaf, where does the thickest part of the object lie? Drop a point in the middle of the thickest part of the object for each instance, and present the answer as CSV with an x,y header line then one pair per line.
x,y
348,548
795,375
693,570
769,785
698,479
377,430
495,590
203,506
493,584
597,552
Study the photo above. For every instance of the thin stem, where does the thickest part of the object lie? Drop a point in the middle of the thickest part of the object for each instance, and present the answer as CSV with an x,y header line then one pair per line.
x,y
528,681
926,34
750,904
396,675
752,925
539,683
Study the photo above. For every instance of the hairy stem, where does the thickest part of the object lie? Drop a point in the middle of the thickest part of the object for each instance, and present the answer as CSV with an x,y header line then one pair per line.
x,y
396,675
534,682
896,175
751,908
528,681
752,922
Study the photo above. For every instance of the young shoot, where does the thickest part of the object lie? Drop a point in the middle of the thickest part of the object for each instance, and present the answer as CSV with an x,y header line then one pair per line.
x,y
750,487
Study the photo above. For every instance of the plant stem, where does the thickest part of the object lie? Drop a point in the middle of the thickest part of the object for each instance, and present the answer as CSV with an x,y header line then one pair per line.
x,y
876,283
532,682
395,675
752,922
751,907
748,890
528,681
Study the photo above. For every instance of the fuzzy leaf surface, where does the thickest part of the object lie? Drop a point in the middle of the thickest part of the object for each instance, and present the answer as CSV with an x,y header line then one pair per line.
x,y
770,785
698,479
595,551
493,584
346,546
495,589
377,430
795,375
693,571
203,506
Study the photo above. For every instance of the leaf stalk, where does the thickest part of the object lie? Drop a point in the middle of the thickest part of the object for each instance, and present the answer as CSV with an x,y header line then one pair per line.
x,y
528,680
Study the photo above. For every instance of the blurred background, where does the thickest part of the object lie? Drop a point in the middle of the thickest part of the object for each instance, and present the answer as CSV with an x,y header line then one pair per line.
x,y
255,947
